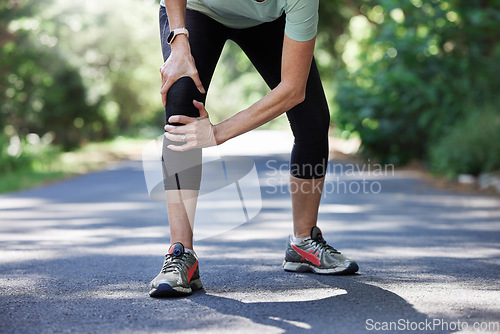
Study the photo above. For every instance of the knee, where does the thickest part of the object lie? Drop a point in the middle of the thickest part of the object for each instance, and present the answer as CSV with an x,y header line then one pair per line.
x,y
313,131
180,98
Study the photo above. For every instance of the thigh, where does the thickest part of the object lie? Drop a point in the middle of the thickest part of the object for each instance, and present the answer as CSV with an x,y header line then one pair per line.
x,y
310,119
263,45
206,39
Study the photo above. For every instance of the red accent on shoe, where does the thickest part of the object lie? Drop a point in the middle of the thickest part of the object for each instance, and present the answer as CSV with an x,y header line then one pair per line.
x,y
309,256
191,271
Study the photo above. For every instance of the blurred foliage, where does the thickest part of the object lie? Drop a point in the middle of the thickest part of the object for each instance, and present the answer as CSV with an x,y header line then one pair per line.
x,y
413,69
402,75
457,151
33,161
25,154
41,91
76,72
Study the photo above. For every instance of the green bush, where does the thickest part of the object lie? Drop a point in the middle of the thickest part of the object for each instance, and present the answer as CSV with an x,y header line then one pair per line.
x,y
11,157
471,147
27,153
414,75
41,91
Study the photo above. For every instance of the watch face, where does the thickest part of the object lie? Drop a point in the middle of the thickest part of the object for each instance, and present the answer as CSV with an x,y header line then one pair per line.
x,y
170,37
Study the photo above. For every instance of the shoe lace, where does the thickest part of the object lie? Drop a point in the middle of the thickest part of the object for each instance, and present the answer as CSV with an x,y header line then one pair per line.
x,y
321,243
172,263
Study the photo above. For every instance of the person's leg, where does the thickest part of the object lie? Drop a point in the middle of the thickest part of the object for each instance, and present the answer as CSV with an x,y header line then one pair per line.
x,y
309,122
180,274
307,250
306,196
182,170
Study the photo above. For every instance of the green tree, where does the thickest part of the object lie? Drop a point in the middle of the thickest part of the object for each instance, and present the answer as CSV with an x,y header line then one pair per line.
x,y
414,75
42,92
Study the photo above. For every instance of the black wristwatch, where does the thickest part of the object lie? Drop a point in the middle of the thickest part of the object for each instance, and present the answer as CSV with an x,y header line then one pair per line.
x,y
175,32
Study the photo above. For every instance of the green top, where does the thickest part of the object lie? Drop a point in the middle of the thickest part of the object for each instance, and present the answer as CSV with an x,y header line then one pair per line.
x,y
301,15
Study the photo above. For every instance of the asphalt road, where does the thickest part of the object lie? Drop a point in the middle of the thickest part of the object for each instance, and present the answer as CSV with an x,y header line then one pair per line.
x,y
77,256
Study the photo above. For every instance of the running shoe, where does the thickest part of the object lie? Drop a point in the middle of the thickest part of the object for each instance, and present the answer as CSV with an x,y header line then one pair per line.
x,y
315,255
180,275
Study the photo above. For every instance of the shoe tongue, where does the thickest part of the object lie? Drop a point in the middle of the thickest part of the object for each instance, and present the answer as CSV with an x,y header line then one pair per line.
x,y
176,249
316,233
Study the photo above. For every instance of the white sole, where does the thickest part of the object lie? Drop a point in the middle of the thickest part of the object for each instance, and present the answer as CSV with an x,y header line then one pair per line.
x,y
306,267
165,290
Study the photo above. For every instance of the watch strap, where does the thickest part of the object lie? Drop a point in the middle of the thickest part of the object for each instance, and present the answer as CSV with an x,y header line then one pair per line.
x,y
176,32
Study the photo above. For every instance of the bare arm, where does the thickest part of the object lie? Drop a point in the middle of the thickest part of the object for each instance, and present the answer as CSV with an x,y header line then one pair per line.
x,y
296,63
180,63
176,11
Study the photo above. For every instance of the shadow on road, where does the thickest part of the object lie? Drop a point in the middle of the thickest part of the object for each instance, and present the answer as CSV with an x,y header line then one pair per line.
x,y
105,293
354,308
78,256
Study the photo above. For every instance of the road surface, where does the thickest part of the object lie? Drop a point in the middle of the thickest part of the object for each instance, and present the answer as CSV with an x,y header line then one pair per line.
x,y
77,256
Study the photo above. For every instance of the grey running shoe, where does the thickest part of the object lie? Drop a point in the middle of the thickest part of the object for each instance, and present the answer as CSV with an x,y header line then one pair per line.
x,y
316,255
180,275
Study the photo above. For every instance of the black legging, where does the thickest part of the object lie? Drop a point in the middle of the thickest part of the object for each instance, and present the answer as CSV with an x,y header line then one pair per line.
x,y
263,45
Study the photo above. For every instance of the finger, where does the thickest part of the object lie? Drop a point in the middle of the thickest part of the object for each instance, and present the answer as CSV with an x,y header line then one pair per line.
x,y
163,81
163,77
181,148
181,119
163,91
197,82
162,66
170,128
176,148
166,85
175,137
201,108
184,129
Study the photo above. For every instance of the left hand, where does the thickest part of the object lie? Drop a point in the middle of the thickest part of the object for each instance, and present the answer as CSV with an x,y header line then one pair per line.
x,y
198,132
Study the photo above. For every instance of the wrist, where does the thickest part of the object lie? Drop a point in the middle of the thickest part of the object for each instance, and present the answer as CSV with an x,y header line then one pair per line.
x,y
181,43
218,135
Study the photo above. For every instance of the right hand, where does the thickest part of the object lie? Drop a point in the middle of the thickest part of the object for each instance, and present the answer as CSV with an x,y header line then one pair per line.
x,y
179,64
